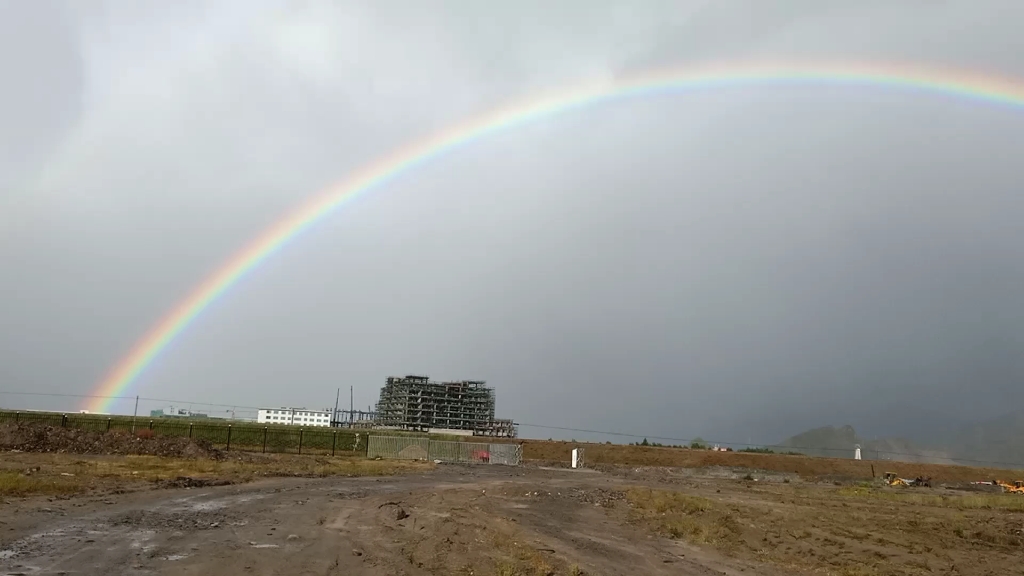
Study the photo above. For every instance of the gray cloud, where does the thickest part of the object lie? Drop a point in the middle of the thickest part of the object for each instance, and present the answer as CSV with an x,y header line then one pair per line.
x,y
735,264
42,75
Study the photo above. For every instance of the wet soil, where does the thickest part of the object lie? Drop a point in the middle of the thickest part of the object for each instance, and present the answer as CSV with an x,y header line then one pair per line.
x,y
512,521
454,520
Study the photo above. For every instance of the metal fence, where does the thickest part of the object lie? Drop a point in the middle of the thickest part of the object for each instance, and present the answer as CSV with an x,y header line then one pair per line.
x,y
406,448
400,447
241,436
252,437
509,454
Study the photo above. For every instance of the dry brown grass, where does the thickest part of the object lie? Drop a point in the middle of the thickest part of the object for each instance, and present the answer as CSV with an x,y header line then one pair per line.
x,y
805,466
908,497
14,483
846,531
23,474
679,515
156,468
518,558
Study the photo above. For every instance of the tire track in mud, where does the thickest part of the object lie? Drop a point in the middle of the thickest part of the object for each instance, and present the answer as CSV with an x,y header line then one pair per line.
x,y
454,518
117,535
134,534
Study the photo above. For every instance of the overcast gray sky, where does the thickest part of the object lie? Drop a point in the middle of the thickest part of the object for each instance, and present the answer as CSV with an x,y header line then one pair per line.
x,y
742,264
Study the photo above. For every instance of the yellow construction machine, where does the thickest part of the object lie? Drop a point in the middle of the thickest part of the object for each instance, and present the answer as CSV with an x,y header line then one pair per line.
x,y
1016,488
891,479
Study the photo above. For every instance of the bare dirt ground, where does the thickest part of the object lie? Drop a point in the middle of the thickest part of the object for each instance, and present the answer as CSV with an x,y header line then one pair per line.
x,y
90,503
515,521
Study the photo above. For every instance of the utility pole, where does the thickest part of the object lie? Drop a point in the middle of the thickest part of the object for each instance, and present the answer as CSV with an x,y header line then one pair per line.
x,y
334,417
351,407
135,414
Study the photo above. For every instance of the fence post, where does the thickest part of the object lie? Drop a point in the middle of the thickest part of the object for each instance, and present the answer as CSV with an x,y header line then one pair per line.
x,y
334,443
64,421
108,424
228,449
265,439
300,440
17,416
189,430
150,424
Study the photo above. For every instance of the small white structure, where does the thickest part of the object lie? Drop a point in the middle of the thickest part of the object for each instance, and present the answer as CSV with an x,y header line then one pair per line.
x,y
577,457
295,416
856,452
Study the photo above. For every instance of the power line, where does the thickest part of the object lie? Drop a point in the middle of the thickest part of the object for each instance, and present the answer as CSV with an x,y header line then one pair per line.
x,y
623,434
62,395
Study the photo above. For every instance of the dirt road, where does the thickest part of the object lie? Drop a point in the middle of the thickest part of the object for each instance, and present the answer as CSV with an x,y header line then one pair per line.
x,y
521,521
453,520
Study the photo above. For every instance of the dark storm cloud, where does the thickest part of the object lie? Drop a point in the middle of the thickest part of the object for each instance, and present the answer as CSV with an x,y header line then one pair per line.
x,y
739,265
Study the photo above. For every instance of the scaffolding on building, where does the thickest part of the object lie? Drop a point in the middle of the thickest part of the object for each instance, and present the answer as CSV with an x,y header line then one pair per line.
x,y
415,403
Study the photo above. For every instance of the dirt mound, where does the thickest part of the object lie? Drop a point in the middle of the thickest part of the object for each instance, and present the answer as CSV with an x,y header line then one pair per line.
x,y
593,496
39,438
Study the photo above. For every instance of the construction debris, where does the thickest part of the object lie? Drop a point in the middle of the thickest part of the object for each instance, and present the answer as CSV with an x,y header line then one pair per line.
x,y
42,438
891,479
1016,488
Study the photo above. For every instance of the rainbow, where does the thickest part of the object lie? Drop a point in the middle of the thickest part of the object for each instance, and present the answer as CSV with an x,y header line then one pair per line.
x,y
954,83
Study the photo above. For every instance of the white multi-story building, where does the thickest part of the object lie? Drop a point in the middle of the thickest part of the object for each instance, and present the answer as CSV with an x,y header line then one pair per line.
x,y
296,416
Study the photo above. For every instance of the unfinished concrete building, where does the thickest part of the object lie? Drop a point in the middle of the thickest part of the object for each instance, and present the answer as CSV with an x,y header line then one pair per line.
x,y
416,403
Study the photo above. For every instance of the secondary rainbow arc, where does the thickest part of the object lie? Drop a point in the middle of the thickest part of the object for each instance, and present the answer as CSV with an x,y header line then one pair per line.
x,y
955,83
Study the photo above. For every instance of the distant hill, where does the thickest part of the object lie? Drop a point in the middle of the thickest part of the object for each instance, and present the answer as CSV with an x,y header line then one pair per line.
x,y
840,442
825,441
999,441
